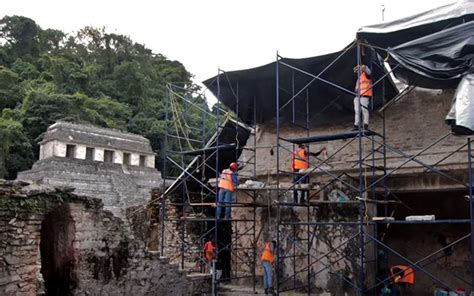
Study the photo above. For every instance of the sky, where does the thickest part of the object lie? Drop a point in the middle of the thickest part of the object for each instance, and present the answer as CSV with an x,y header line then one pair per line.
x,y
206,35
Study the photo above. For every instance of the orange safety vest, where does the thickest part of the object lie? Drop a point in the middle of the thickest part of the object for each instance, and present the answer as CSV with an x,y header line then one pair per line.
x,y
209,251
365,85
299,160
407,276
267,254
225,181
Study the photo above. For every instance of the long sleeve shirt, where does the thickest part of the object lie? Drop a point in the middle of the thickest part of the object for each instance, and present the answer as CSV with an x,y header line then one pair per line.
x,y
235,179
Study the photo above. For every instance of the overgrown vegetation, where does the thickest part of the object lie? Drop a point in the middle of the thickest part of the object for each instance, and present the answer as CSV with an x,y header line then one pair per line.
x,y
91,76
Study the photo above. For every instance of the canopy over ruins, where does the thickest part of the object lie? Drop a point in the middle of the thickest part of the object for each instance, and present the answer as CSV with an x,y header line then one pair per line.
x,y
433,49
324,101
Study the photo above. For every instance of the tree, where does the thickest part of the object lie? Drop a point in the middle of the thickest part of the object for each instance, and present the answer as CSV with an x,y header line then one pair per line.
x,y
41,110
21,36
25,70
93,76
16,153
51,41
9,90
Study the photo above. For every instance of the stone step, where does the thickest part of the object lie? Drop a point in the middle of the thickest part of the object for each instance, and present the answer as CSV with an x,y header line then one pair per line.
x,y
237,290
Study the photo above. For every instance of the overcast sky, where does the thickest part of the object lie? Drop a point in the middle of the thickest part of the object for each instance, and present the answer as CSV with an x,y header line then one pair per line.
x,y
232,35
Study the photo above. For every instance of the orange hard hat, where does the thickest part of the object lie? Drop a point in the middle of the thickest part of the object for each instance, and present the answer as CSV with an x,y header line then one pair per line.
x,y
234,166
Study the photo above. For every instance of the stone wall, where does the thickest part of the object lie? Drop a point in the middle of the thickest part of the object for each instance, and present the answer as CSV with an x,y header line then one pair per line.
x,y
175,232
412,124
118,186
55,240
344,264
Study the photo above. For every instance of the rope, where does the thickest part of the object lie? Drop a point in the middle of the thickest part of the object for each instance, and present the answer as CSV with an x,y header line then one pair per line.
x,y
177,114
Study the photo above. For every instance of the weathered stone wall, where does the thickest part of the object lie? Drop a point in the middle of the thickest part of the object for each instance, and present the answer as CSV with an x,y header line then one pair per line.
x,y
451,266
56,240
293,241
176,232
411,124
118,186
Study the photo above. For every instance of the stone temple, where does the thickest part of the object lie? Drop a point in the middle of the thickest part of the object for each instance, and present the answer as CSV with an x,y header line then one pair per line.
x,y
114,166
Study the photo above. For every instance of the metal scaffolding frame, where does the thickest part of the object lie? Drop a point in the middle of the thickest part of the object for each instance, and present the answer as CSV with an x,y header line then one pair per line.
x,y
193,158
369,185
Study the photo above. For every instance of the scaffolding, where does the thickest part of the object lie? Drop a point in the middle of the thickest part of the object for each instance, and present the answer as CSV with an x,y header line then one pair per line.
x,y
195,153
368,193
366,182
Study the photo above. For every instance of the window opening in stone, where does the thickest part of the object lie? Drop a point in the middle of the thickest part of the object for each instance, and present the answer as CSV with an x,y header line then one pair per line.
x,y
58,262
70,151
108,156
89,153
142,160
126,158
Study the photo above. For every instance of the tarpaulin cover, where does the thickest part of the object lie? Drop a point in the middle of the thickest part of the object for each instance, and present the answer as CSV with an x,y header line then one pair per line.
x,y
438,60
326,103
434,49
390,34
461,115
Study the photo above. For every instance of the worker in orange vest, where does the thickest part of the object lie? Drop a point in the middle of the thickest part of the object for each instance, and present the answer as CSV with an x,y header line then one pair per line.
x,y
363,89
227,183
300,162
209,253
268,258
403,278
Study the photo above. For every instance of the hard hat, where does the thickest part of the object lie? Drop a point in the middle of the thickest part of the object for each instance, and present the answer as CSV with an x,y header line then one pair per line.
x,y
234,166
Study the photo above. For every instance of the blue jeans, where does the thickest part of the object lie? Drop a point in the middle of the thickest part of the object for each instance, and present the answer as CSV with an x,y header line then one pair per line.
x,y
225,196
267,275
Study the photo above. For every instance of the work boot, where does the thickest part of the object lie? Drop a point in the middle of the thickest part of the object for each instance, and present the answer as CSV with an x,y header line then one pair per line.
x,y
266,291
366,126
355,128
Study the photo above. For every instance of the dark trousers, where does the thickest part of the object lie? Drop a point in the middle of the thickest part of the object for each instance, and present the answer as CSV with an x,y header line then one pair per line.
x,y
300,195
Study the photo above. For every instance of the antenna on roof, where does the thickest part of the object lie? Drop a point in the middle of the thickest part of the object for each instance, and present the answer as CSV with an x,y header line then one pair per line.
x,y
383,12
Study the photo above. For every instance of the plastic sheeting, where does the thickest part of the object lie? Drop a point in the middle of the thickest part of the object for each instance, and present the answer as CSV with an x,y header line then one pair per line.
x,y
461,115
390,34
326,103
433,49
438,60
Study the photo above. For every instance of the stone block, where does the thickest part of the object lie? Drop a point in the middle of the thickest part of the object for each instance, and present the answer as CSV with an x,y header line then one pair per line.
x,y
9,279
11,260
26,269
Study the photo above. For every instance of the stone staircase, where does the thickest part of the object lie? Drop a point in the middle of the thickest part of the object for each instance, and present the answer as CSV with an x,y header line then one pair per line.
x,y
196,284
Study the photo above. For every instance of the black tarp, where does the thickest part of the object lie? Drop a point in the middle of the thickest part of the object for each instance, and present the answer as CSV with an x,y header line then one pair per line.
x,y
390,34
326,103
433,49
438,60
